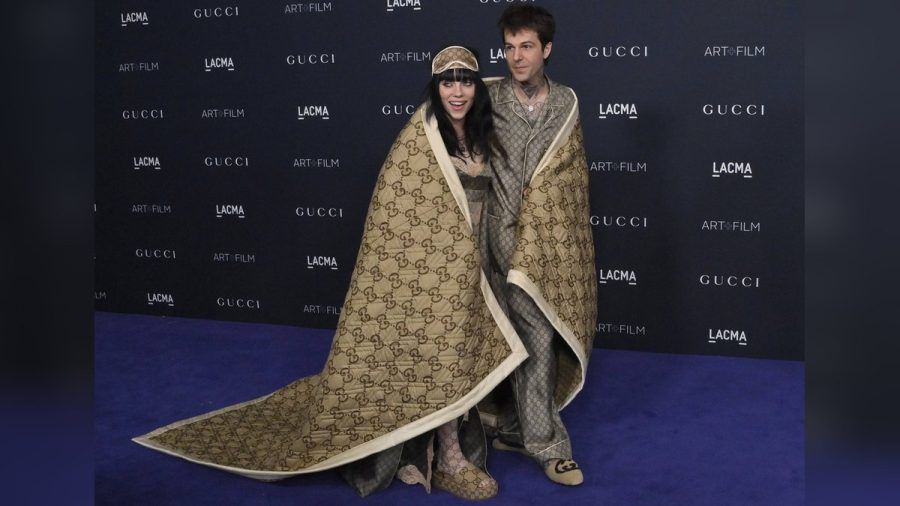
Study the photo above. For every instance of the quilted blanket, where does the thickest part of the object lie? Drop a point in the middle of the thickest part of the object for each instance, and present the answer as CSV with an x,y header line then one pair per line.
x,y
420,340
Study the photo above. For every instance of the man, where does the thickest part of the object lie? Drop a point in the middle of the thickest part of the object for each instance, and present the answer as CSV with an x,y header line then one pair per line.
x,y
537,244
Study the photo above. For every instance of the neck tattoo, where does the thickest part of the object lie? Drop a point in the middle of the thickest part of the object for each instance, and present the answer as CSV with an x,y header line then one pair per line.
x,y
531,106
530,90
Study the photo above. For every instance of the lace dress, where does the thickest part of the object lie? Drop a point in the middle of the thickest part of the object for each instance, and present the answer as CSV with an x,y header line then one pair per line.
x,y
475,181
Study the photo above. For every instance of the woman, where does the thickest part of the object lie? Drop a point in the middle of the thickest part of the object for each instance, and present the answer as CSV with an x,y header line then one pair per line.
x,y
420,340
459,103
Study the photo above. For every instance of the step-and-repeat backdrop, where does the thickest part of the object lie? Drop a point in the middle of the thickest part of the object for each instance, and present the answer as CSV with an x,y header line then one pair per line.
x,y
238,144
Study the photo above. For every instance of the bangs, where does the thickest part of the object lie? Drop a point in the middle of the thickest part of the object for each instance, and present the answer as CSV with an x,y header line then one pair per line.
x,y
456,75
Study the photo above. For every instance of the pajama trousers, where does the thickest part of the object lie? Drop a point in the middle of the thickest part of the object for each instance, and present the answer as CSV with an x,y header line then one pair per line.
x,y
533,420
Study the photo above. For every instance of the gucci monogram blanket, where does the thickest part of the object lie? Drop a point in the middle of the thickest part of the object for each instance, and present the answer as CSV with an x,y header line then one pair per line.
x,y
420,340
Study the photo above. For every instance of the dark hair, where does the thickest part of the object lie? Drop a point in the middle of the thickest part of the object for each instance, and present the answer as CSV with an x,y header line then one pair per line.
x,y
479,124
518,17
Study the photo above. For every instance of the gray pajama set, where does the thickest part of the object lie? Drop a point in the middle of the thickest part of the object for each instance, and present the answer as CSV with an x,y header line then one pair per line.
x,y
534,420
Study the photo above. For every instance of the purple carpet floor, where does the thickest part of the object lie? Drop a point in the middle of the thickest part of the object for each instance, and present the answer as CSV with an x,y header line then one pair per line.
x,y
648,428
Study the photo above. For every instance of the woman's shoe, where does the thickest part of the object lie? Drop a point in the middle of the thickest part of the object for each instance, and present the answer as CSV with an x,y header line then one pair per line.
x,y
466,483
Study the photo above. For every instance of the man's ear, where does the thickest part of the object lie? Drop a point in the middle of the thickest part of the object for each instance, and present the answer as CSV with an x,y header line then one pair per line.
x,y
547,48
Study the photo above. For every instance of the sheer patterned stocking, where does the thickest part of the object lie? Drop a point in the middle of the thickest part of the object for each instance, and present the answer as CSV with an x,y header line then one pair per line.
x,y
450,456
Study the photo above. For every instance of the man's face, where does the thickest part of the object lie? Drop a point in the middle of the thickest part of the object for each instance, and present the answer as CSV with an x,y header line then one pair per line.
x,y
524,54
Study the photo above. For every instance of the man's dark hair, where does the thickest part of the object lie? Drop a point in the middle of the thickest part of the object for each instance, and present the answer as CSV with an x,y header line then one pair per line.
x,y
539,19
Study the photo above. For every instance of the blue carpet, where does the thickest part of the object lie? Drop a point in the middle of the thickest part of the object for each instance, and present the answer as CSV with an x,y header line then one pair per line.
x,y
649,429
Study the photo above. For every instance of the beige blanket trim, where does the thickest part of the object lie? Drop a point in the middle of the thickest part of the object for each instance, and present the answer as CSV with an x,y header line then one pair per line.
x,y
561,137
421,425
446,165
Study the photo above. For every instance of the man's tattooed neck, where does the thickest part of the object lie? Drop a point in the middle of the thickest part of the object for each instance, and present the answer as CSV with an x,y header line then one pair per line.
x,y
531,90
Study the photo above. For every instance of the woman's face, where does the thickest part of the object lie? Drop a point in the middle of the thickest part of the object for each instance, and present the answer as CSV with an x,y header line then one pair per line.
x,y
457,98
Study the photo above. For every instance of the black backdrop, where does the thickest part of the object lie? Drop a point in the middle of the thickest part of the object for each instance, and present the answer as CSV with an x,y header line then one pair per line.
x,y
238,144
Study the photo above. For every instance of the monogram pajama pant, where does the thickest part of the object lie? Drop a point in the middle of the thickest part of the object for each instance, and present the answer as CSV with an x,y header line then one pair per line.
x,y
533,419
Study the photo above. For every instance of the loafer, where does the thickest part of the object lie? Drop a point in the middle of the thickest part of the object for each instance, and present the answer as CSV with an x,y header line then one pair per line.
x,y
564,472
507,446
